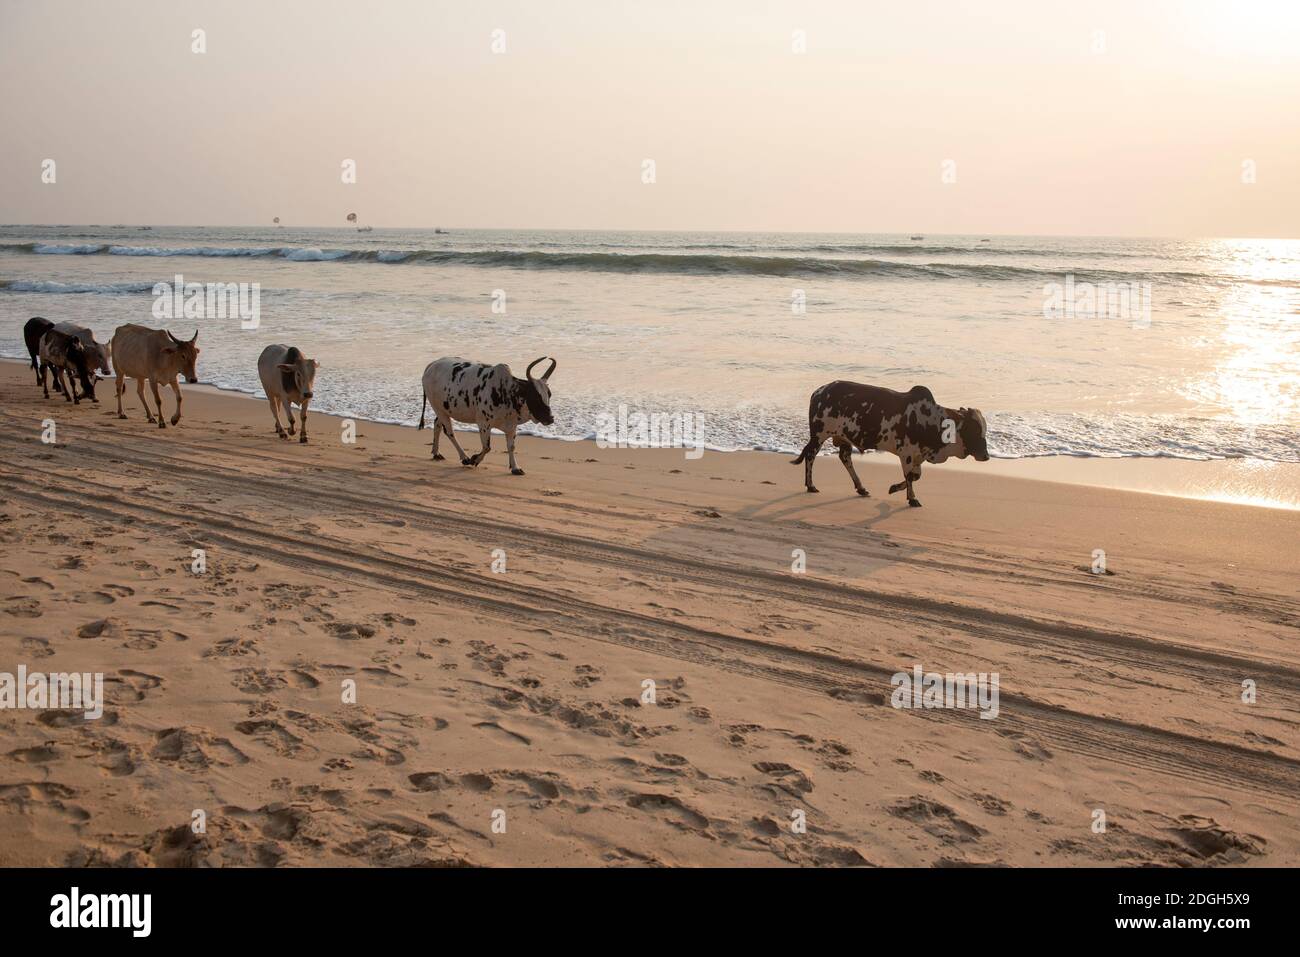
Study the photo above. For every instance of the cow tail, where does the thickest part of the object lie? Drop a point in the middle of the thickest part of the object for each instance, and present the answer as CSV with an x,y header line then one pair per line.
x,y
808,452
424,401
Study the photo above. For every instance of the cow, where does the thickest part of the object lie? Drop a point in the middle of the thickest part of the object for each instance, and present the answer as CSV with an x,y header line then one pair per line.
x,y
489,396
97,352
910,424
59,353
32,332
287,377
154,354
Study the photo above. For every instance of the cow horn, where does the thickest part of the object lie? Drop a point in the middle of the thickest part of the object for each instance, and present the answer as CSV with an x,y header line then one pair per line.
x,y
547,374
528,373
194,338
173,338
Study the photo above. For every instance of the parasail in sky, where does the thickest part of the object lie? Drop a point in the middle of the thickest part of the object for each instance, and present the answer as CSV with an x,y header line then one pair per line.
x,y
352,217
276,220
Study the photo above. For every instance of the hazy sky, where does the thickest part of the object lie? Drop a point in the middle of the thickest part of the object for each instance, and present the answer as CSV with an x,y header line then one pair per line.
x,y
1146,135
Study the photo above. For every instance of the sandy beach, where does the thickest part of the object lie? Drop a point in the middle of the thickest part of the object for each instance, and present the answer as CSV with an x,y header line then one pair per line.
x,y
516,696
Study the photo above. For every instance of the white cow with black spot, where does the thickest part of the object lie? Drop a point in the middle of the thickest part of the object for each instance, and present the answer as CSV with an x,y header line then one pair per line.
x,y
489,396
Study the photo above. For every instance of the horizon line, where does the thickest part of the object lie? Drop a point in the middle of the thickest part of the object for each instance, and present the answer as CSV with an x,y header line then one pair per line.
x,y
589,229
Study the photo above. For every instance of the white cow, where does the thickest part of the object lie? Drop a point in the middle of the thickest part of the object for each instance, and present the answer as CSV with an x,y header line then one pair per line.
x,y
287,377
490,397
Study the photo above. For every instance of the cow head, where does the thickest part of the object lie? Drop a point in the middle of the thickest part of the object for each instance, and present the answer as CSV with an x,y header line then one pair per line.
x,y
187,352
537,394
972,434
301,373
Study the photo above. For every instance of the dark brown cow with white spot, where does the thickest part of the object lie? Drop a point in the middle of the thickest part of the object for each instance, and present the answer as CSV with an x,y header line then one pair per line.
x,y
910,424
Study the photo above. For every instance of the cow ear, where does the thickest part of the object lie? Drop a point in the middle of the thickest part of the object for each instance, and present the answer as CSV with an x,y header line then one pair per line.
x,y
315,364
284,367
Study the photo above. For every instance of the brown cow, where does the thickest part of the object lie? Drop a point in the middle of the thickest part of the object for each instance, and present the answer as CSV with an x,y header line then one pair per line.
x,y
59,353
910,424
154,354
96,352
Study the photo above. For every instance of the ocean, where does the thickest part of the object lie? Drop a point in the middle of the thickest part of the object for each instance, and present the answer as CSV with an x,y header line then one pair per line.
x,y
1090,347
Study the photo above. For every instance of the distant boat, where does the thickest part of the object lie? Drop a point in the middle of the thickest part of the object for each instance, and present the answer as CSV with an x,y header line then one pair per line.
x,y
441,232
918,237
986,240
365,229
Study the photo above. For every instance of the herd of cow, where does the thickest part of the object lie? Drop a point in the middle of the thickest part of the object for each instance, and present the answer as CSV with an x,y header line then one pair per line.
x,y
912,425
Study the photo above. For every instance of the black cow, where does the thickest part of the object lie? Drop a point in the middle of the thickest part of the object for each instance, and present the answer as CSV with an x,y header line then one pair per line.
x,y
32,332
910,424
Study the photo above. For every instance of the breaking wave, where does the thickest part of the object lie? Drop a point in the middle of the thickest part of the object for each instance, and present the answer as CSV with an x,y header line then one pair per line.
x,y
657,262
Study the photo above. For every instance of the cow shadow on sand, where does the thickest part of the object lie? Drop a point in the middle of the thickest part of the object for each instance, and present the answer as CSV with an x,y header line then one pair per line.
x,y
764,536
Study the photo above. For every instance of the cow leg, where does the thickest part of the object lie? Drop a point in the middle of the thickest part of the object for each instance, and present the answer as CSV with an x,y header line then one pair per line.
x,y
288,411
846,456
908,479
176,387
119,386
139,390
302,414
437,436
485,434
809,456
510,448
157,398
57,372
444,423
275,414
44,384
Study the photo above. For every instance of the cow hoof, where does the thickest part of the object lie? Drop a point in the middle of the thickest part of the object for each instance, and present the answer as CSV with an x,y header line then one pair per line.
x,y
121,416
162,424
283,436
864,493
516,471
811,489
467,463
914,503
439,457
175,419
302,439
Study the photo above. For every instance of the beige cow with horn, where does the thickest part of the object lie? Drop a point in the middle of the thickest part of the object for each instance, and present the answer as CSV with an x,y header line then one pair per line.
x,y
154,354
